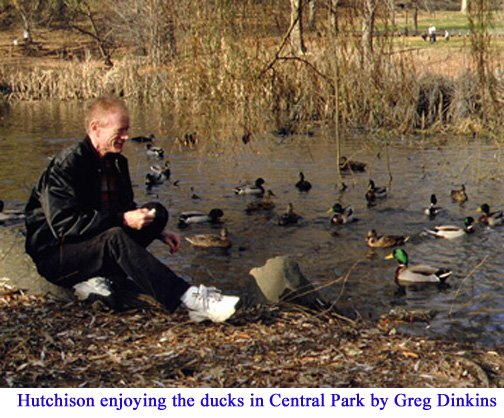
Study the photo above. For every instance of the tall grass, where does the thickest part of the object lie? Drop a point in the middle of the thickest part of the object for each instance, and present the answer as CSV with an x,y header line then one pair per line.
x,y
246,80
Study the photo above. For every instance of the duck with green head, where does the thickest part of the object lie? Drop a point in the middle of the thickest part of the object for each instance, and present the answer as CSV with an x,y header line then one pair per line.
x,y
196,217
255,189
490,218
453,231
418,273
341,215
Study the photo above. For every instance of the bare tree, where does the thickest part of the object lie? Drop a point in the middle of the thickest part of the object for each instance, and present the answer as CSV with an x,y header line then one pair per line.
x,y
146,25
333,16
312,14
296,36
92,26
368,22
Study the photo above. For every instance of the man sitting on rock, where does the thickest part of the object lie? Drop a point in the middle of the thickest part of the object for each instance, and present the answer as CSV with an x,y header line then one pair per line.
x,y
84,230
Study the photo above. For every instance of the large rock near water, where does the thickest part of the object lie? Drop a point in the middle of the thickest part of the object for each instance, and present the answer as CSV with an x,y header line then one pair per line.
x,y
281,278
19,269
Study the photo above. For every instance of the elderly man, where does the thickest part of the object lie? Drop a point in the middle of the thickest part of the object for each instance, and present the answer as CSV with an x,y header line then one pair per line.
x,y
84,230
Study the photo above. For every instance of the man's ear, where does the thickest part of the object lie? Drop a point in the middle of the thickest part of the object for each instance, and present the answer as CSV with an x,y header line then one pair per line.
x,y
93,127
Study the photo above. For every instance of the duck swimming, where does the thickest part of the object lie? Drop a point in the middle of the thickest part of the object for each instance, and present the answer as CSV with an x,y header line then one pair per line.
x,y
432,210
196,217
256,189
289,217
154,151
459,196
265,204
374,193
211,240
418,273
351,165
143,139
158,175
490,218
452,231
341,215
303,185
384,241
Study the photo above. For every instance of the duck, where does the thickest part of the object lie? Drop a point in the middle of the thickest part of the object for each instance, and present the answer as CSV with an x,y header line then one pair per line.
x,y
384,241
193,194
144,139
418,273
432,210
452,231
490,218
374,193
256,189
154,151
265,204
303,185
351,165
341,215
158,175
289,217
163,172
221,240
459,196
196,217
9,215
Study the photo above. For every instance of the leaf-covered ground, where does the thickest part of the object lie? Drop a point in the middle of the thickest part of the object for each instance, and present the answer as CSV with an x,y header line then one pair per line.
x,y
48,343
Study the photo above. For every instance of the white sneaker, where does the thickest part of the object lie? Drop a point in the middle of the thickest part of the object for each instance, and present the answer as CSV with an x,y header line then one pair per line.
x,y
96,288
208,303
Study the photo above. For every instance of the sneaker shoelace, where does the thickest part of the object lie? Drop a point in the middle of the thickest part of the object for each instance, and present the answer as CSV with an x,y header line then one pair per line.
x,y
205,294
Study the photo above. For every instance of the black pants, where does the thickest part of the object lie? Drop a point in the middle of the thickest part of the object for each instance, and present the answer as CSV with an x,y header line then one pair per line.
x,y
117,253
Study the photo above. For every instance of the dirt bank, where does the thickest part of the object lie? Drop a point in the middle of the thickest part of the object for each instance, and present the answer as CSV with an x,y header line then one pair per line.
x,y
47,343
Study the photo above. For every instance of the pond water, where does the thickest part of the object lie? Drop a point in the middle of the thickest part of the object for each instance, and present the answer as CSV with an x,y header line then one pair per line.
x,y
361,281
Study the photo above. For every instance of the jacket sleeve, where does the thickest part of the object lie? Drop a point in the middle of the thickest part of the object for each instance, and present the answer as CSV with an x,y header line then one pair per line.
x,y
70,205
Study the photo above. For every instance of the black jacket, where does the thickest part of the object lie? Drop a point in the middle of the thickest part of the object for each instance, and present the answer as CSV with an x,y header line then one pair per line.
x,y
65,205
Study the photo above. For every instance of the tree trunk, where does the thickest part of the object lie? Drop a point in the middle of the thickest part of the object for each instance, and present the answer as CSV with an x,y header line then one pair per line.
x,y
415,17
463,6
333,16
297,42
368,20
312,12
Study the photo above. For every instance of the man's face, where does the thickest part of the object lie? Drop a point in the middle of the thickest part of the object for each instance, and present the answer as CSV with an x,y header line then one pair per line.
x,y
110,138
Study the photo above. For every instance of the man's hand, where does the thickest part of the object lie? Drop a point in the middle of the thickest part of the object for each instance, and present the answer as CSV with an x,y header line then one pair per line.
x,y
139,218
172,240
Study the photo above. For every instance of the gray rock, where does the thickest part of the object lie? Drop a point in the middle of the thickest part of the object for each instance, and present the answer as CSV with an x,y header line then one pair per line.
x,y
281,278
19,270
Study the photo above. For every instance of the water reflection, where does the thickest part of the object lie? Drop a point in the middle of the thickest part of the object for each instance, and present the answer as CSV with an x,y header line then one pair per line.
x,y
472,308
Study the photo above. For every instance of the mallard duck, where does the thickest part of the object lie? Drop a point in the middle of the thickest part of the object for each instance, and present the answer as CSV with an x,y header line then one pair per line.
x,y
490,218
158,175
432,210
193,194
221,240
154,151
265,204
384,241
256,189
196,217
459,196
289,217
452,231
341,215
374,193
143,139
9,215
418,273
303,185
351,165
